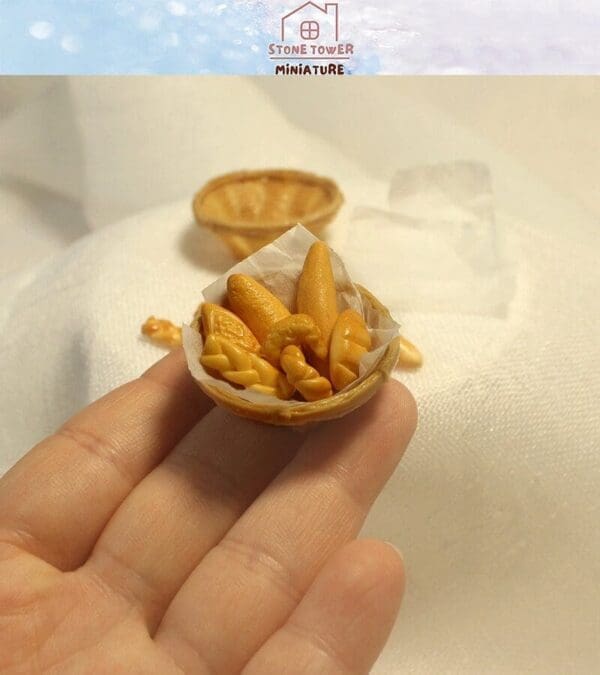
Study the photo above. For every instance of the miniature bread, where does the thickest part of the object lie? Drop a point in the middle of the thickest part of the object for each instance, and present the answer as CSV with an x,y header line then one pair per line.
x,y
350,339
410,356
304,377
256,306
162,331
296,329
239,366
316,295
217,320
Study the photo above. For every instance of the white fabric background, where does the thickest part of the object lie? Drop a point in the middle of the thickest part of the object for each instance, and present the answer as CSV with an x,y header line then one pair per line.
x,y
496,503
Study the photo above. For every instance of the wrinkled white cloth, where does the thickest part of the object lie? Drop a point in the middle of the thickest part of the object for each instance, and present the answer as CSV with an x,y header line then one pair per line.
x,y
496,503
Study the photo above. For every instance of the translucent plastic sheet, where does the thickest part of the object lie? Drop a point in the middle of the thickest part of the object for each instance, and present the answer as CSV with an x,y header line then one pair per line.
x,y
446,248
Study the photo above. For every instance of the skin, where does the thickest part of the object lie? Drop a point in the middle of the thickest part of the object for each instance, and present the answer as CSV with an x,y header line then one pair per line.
x,y
154,533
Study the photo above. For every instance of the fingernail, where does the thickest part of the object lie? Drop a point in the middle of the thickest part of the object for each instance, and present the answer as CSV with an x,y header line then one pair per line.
x,y
398,551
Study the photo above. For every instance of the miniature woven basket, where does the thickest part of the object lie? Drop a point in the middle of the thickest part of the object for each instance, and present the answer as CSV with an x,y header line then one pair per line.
x,y
333,407
249,209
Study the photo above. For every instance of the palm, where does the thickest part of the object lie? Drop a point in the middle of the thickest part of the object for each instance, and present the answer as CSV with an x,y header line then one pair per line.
x,y
57,622
139,539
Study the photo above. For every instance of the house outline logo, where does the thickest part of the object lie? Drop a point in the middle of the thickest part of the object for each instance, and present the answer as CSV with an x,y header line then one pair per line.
x,y
310,41
310,29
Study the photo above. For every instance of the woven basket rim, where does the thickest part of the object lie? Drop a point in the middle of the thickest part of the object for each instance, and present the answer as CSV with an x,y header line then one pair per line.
x,y
249,228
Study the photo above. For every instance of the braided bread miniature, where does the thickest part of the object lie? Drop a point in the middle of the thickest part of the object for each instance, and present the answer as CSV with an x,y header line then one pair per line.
x,y
162,331
304,377
239,366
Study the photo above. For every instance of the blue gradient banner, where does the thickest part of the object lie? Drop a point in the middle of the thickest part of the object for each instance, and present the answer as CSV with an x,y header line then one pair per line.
x,y
299,38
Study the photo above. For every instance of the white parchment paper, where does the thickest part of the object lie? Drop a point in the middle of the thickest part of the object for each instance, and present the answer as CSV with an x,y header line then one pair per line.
x,y
278,267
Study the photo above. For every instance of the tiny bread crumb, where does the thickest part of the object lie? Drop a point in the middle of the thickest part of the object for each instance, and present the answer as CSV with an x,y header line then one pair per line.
x,y
162,332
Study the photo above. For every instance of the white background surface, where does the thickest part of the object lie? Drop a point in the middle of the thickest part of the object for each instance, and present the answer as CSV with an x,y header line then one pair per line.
x,y
496,504
545,126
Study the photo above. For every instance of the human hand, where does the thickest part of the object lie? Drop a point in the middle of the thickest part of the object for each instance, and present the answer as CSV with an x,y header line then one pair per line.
x,y
154,533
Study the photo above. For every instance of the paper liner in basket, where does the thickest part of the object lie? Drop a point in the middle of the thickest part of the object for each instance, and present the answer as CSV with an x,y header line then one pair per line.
x,y
278,267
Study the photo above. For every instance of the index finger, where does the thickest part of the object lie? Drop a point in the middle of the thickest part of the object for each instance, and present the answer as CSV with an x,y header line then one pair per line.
x,y
55,502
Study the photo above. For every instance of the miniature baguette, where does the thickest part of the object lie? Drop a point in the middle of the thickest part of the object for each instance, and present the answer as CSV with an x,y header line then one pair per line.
x,y
410,356
316,295
256,306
